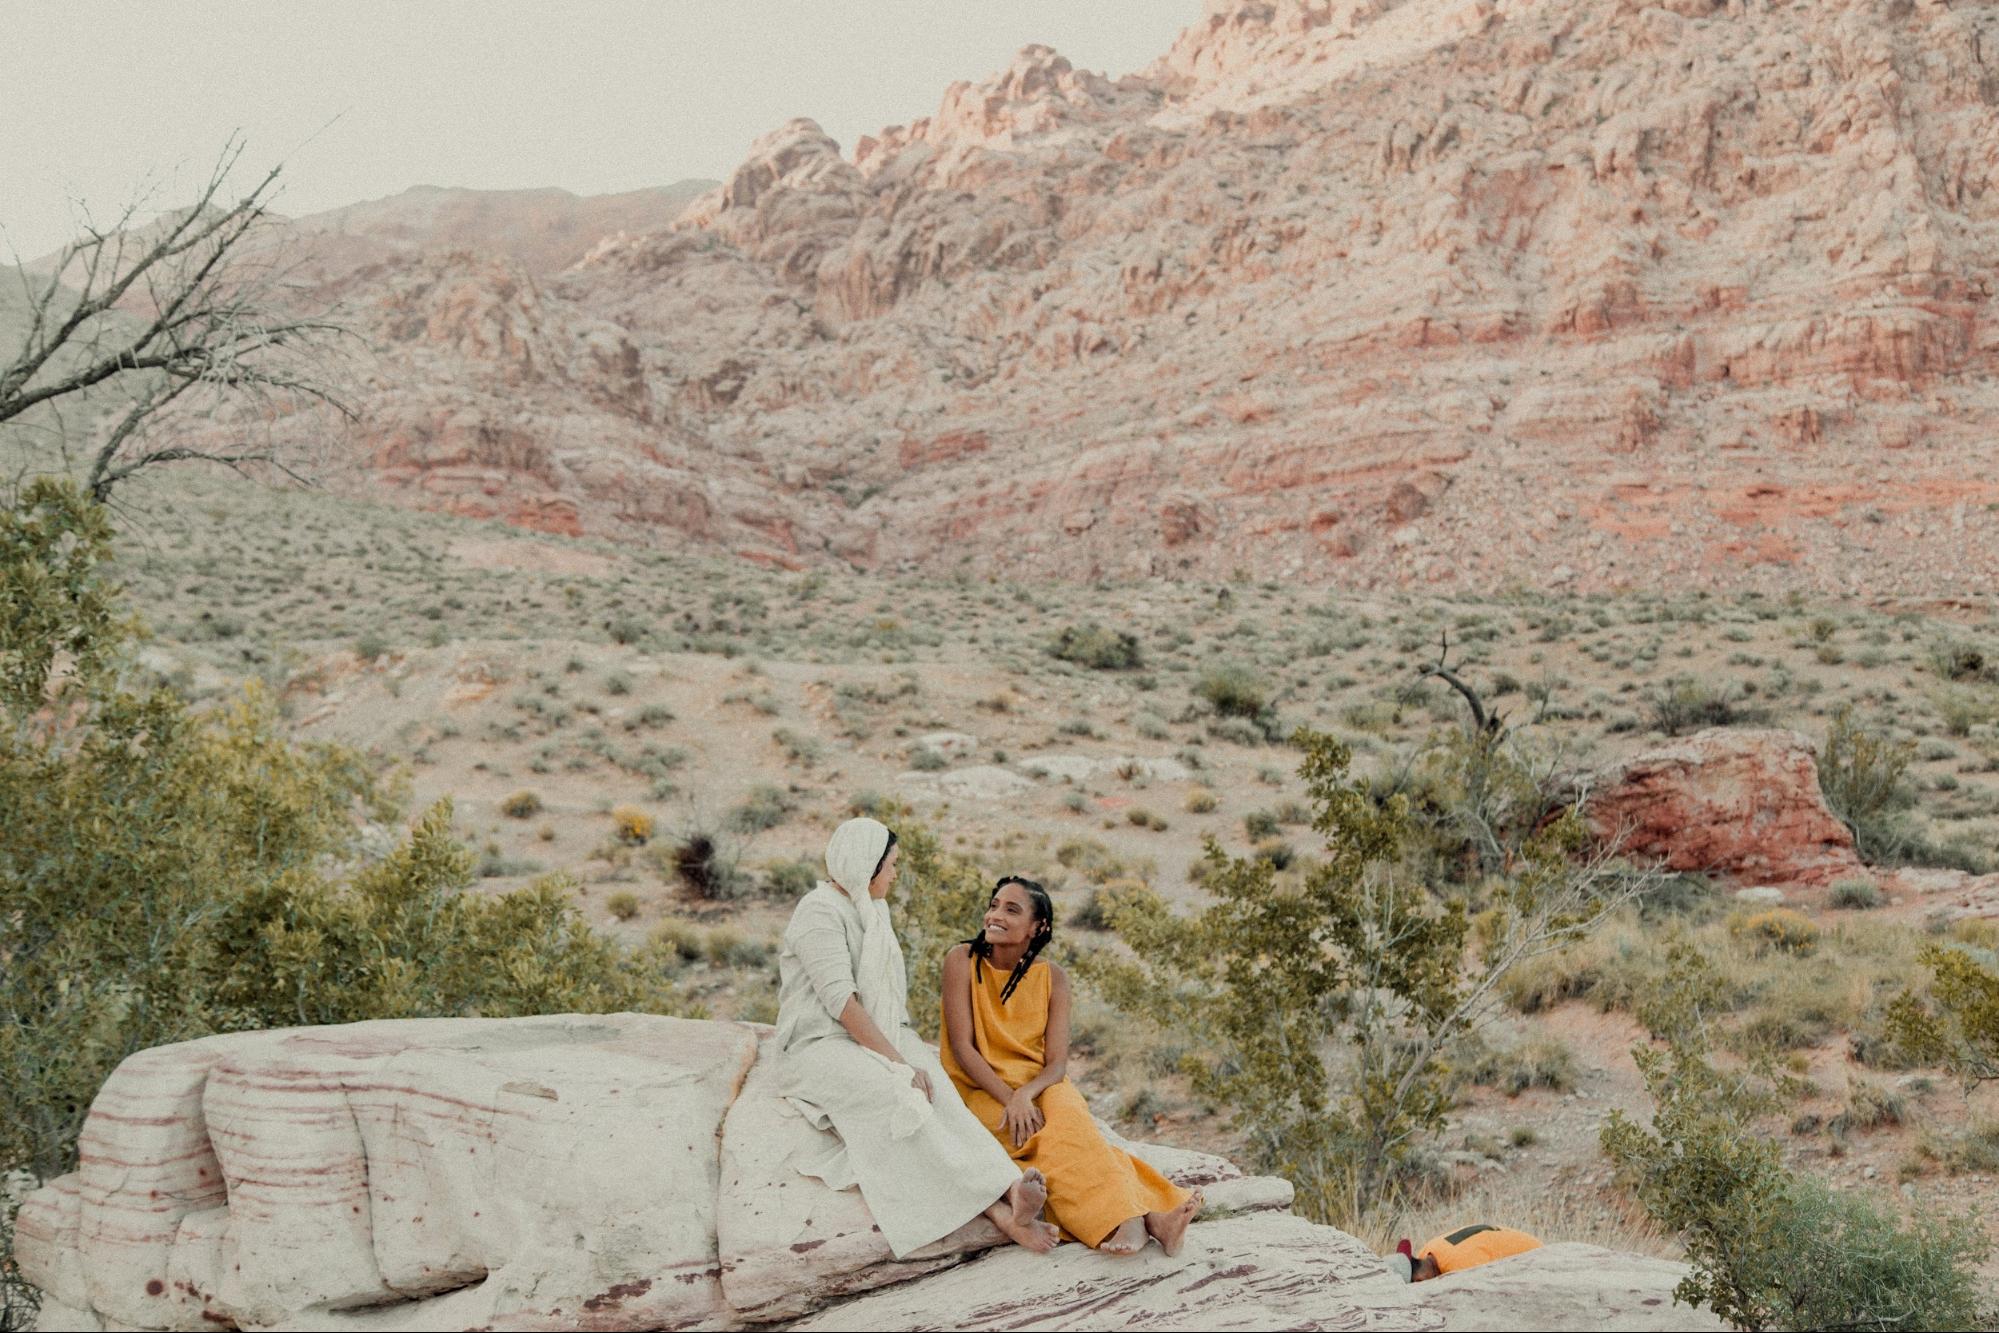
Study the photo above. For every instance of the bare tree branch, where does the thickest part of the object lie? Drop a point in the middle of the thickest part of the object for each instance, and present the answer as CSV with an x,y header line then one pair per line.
x,y
1483,723
194,315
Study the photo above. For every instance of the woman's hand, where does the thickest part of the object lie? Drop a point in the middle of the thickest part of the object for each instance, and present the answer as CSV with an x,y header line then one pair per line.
x,y
1023,1118
921,1082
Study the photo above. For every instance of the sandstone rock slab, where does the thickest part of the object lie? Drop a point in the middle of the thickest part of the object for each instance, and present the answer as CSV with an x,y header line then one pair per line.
x,y
550,1167
1274,1271
1744,803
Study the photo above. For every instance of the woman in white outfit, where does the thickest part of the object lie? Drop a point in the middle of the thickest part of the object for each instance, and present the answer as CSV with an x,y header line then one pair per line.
x,y
924,1163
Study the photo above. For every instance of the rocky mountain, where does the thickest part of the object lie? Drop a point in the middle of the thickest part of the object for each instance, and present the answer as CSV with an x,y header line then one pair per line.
x,y
542,230
1480,293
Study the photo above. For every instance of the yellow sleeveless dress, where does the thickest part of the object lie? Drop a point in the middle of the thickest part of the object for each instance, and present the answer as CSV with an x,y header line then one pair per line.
x,y
1093,1187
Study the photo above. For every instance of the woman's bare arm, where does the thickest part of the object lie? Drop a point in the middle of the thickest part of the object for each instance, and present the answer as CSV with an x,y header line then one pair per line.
x,y
958,1025
1055,1065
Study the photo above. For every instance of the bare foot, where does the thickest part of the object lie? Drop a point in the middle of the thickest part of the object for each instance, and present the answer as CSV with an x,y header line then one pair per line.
x,y
1170,1229
1034,1234
1129,1238
1026,1196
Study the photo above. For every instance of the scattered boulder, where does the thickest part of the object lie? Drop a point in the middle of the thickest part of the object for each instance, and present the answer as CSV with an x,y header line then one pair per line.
x,y
628,1171
1741,803
950,744
979,782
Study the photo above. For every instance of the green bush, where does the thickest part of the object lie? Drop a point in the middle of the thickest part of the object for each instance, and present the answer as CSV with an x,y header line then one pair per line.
x,y
1690,705
1272,974
1769,1249
790,879
1098,648
521,805
1234,690
1855,894
764,808
1541,1063
1862,775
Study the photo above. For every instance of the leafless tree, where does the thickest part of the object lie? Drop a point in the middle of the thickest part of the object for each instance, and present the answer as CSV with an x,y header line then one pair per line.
x,y
193,321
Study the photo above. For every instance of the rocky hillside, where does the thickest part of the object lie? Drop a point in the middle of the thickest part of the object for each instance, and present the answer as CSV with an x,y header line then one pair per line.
x,y
1590,293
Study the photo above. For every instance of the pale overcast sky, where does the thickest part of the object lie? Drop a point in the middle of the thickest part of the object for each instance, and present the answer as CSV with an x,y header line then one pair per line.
x,y
364,98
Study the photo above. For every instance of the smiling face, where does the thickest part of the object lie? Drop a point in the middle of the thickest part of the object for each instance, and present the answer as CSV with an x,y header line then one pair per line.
x,y
1011,921
884,879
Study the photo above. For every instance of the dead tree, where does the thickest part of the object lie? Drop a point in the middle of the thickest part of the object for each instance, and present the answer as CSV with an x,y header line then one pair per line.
x,y
1487,725
191,313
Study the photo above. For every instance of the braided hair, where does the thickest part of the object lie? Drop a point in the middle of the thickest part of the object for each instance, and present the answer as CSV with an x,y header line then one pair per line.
x,y
1044,921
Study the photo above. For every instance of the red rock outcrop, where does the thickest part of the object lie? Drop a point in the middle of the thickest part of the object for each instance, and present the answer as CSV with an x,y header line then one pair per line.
x,y
1744,804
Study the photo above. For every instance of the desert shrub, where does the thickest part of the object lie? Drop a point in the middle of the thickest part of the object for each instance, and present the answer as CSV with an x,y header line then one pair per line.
x,y
1477,798
1094,912
1780,928
1855,894
927,760
1259,824
1098,648
1267,973
725,946
1861,773
1769,1249
703,866
677,939
632,825
799,749
1540,1063
1091,859
1958,1026
521,805
1954,660
1237,731
790,879
1869,1106
1962,710
1974,1148
1199,801
624,905
371,647
1689,705
652,715
1234,690
764,808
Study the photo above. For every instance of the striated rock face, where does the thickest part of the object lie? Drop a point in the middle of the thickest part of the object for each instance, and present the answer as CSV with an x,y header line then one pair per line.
x,y
1740,803
634,1172
1365,291
1275,1271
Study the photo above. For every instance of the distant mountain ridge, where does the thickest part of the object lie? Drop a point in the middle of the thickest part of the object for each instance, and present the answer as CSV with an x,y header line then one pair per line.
x,y
1474,293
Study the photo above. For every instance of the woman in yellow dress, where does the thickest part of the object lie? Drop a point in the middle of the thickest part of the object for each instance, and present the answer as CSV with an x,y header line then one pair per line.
x,y
1006,1047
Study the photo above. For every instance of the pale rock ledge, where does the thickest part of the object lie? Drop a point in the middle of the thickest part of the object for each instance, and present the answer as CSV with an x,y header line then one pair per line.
x,y
634,1172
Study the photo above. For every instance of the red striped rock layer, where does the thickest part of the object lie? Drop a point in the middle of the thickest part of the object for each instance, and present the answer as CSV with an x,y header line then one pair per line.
x,y
546,1172
606,1172
1597,293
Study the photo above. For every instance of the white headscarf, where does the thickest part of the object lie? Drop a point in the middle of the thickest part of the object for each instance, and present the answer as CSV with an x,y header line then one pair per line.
x,y
852,854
